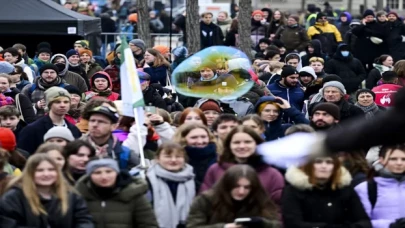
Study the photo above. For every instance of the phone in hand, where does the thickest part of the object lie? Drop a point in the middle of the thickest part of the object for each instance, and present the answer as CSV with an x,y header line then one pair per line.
x,y
151,109
241,221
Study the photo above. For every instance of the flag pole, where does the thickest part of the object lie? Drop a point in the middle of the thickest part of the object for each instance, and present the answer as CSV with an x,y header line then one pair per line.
x,y
139,136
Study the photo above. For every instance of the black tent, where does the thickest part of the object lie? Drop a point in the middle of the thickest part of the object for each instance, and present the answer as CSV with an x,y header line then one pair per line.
x,y
44,17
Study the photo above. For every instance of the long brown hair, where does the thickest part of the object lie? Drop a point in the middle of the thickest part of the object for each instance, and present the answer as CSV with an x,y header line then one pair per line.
x,y
182,132
27,183
355,162
159,58
399,68
196,110
335,178
257,203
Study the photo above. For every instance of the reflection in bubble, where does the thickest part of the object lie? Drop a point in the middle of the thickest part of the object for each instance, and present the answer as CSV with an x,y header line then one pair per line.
x,y
217,72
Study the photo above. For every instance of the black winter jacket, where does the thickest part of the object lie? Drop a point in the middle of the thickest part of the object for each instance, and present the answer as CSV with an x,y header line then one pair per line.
x,y
25,105
15,208
372,79
347,110
152,97
396,47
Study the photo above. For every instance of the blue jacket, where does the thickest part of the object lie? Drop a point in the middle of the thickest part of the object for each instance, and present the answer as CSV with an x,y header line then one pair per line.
x,y
276,129
293,95
157,74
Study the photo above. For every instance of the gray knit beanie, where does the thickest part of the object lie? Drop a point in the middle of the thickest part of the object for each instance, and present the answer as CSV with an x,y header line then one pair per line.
x,y
103,162
335,84
59,132
139,43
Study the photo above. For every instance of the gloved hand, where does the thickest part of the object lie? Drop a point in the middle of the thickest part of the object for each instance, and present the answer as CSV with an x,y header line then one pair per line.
x,y
399,223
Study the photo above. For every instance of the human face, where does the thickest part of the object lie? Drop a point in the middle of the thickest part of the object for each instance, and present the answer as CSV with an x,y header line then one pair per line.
x,y
265,14
224,128
221,17
369,18
101,84
74,59
323,19
44,56
207,73
317,66
172,162
276,58
15,78
323,168
270,113
193,117
388,62
135,49
211,116
9,122
332,94
60,106
291,81
343,19
104,177
392,18
252,124
293,62
395,162
10,58
149,58
277,15
263,45
306,79
197,138
57,157
382,18
242,146
74,99
257,17
4,85
45,174
322,119
282,50
241,190
207,19
311,49
100,126
79,160
77,47
365,99
291,21
49,75
59,141
85,58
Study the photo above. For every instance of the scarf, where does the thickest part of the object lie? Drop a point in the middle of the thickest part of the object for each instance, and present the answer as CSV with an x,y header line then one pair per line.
x,y
43,85
5,100
370,110
102,151
388,174
169,213
382,68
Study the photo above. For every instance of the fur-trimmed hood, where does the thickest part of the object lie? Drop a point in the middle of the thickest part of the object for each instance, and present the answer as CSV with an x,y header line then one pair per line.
x,y
297,178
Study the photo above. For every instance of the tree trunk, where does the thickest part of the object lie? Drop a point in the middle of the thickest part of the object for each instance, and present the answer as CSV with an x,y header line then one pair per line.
x,y
349,6
143,22
303,2
244,27
192,27
379,5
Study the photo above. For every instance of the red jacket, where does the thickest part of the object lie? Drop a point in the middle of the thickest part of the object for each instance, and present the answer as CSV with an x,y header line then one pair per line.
x,y
384,94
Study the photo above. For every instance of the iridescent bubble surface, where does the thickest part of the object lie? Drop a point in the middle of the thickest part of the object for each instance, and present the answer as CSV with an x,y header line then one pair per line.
x,y
217,72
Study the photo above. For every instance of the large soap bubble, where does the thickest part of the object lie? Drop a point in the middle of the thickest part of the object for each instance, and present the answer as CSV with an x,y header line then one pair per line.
x,y
217,72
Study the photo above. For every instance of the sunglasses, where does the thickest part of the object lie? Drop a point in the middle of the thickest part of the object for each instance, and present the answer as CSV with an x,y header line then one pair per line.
x,y
106,108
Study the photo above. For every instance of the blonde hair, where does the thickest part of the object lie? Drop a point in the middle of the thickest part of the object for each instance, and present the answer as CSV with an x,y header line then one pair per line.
x,y
317,59
27,183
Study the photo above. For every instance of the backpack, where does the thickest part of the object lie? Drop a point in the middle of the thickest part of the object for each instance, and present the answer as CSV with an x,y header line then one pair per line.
x,y
328,41
34,86
124,157
372,192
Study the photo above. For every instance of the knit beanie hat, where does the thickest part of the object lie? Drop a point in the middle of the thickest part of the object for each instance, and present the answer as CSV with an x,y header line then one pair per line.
x,y
320,15
259,12
288,70
72,52
139,43
48,66
6,67
83,43
180,51
210,105
331,108
335,84
368,12
103,162
100,74
360,91
331,77
53,93
59,132
45,50
162,49
7,139
45,45
86,51
393,12
73,90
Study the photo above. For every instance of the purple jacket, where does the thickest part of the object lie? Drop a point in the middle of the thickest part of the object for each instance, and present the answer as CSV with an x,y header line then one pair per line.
x,y
120,134
271,179
390,201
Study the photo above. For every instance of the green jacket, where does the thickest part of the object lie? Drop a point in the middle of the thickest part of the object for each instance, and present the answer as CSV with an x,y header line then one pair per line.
x,y
126,208
201,216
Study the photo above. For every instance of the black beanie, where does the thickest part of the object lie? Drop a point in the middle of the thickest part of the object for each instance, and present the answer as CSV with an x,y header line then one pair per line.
x,y
288,70
48,66
100,75
320,15
368,12
360,91
73,90
331,108
331,77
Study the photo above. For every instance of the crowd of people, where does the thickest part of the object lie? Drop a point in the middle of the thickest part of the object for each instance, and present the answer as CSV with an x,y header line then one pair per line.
x,y
69,158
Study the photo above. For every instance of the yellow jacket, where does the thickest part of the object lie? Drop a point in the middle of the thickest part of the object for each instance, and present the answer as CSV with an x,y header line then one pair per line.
x,y
325,28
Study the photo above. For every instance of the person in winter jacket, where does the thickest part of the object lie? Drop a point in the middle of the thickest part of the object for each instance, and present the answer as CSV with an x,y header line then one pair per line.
x,y
230,199
307,77
383,63
210,33
40,197
382,195
12,56
272,110
138,48
87,63
180,54
293,35
348,68
396,41
371,36
114,198
10,118
259,30
172,186
385,92
276,21
313,49
365,101
73,57
350,38
319,195
210,108
156,66
150,95
272,181
101,86
224,22
43,57
77,154
19,78
288,87
345,20
113,69
61,62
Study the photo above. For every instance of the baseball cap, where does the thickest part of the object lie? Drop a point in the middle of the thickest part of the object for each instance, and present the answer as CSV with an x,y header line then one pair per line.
x,y
107,111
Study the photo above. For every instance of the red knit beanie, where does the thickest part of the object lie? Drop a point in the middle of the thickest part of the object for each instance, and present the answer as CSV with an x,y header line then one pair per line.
x,y
257,12
7,139
393,12
210,105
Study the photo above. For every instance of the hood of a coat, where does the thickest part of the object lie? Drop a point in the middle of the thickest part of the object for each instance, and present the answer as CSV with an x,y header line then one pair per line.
x,y
338,55
104,73
297,178
349,18
317,46
66,63
266,99
299,63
